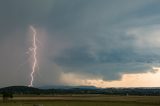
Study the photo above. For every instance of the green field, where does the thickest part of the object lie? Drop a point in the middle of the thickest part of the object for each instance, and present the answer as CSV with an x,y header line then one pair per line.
x,y
84,101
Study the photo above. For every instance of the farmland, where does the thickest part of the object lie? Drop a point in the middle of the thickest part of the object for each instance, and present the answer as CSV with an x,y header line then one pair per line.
x,y
83,100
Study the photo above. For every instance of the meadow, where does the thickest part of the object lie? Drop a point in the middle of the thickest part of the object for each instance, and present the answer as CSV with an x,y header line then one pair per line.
x,y
98,100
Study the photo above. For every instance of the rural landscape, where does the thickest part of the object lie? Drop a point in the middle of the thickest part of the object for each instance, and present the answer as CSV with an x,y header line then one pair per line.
x,y
79,96
79,52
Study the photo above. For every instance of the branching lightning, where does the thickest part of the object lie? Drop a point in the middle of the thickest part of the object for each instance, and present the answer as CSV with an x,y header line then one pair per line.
x,y
33,49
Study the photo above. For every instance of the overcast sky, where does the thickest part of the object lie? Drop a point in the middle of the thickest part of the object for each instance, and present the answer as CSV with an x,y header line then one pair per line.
x,y
78,39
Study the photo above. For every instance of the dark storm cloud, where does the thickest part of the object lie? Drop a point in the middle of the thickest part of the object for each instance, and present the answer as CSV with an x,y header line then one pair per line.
x,y
18,14
97,37
97,40
110,64
75,57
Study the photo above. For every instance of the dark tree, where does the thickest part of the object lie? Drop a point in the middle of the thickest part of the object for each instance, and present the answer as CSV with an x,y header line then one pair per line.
x,y
6,96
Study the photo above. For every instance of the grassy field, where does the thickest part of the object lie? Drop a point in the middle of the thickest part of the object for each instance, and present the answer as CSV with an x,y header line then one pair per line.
x,y
84,101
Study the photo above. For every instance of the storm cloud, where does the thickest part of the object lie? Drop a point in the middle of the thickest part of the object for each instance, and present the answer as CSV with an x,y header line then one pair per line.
x,y
101,38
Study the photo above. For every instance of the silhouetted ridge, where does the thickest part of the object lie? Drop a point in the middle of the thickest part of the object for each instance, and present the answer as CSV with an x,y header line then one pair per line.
x,y
81,90
20,89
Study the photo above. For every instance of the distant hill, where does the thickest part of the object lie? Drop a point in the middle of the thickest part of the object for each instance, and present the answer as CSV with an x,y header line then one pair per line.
x,y
66,87
81,90
20,89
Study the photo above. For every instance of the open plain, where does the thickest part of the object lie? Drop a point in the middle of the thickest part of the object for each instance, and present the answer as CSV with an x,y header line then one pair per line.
x,y
83,100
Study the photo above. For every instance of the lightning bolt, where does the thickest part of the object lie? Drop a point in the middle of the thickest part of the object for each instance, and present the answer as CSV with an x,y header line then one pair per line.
x,y
34,53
